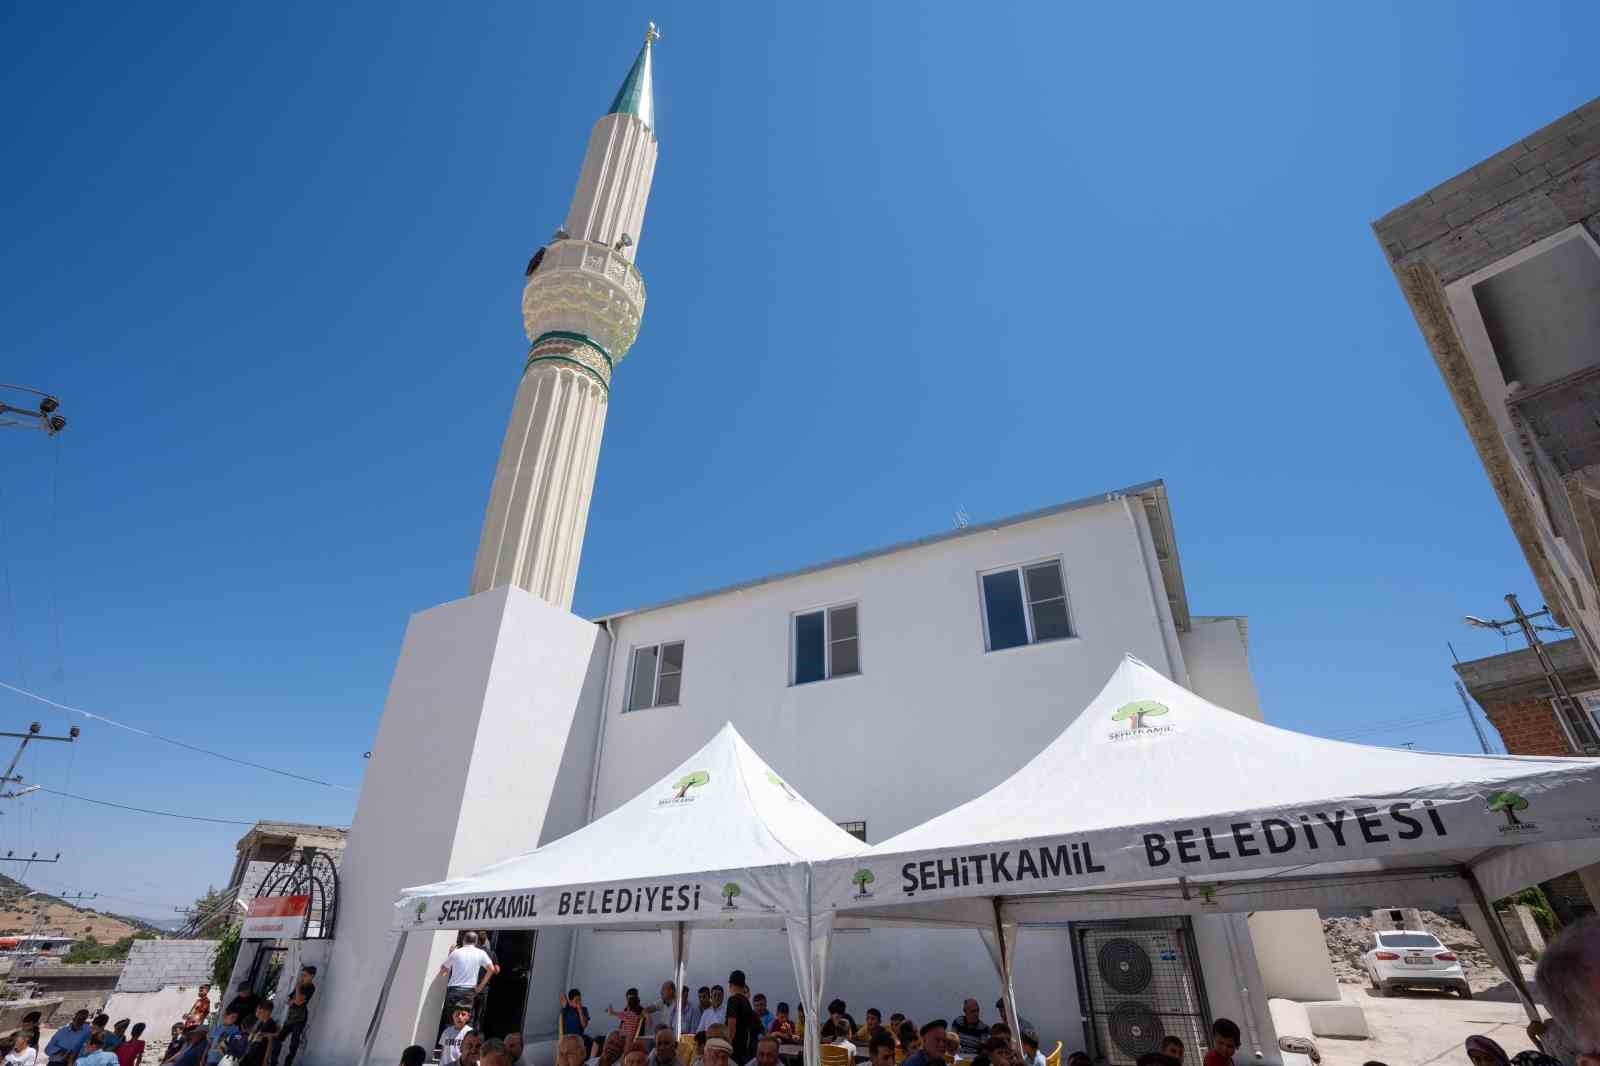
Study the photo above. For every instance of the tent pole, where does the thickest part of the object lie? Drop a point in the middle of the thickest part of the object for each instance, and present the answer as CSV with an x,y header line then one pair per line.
x,y
383,999
1015,1025
678,978
1491,918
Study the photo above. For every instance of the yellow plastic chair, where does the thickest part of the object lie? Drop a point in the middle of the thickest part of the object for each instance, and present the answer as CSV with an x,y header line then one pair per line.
x,y
1054,1058
836,1056
686,1049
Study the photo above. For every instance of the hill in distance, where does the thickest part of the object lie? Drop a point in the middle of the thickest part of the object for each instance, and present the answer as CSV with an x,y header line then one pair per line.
x,y
24,911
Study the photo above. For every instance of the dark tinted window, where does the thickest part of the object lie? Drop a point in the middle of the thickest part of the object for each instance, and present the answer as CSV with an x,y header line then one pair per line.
x,y
809,648
1002,601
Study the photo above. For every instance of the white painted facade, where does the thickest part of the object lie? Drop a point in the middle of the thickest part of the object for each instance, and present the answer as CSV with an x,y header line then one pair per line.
x,y
932,720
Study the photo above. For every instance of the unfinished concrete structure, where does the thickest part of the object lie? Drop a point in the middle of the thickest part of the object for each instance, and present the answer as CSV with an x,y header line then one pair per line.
x,y
1501,267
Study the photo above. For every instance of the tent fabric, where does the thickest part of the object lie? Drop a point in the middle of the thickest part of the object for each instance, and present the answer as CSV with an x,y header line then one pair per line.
x,y
722,840
1155,798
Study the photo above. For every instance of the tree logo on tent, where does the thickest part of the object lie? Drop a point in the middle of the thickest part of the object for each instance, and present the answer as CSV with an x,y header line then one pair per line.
x,y
776,780
861,879
422,909
730,892
1509,803
682,786
1136,715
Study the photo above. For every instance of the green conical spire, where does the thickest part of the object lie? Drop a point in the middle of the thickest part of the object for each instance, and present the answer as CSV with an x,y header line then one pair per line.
x,y
637,95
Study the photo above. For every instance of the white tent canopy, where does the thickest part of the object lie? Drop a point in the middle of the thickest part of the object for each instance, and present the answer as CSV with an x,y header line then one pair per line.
x,y
1155,802
720,841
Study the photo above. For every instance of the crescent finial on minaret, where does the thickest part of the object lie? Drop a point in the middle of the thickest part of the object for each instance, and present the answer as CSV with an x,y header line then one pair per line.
x,y
651,34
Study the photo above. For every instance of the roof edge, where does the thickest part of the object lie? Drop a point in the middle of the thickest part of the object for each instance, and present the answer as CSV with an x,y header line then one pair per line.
x,y
1154,492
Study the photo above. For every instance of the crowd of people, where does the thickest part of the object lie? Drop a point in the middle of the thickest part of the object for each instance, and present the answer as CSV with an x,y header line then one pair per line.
x,y
243,1033
733,1027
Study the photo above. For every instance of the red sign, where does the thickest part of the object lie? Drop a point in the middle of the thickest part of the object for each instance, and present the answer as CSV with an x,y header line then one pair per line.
x,y
276,918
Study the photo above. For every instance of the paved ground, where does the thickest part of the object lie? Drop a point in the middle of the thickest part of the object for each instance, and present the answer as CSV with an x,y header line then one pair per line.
x,y
1429,1028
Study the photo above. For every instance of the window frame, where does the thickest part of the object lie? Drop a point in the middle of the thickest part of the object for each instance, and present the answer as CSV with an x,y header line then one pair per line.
x,y
851,828
1021,569
827,643
655,680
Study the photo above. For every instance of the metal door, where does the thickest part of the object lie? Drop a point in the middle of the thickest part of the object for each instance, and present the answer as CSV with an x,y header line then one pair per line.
x,y
1139,982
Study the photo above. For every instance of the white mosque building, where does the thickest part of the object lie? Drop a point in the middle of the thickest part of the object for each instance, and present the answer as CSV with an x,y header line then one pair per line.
x,y
930,670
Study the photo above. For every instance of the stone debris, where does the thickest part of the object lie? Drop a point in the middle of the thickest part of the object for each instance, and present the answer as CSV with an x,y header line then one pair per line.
x,y
1349,937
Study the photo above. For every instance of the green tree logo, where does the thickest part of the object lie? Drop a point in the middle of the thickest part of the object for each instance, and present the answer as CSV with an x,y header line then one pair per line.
x,y
1138,711
861,879
776,780
422,908
1508,803
693,779
729,891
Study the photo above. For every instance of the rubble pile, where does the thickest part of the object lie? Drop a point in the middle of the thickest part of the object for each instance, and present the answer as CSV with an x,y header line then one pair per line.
x,y
1349,936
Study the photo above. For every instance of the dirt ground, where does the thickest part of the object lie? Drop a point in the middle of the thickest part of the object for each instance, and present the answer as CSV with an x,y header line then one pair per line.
x,y
1430,1028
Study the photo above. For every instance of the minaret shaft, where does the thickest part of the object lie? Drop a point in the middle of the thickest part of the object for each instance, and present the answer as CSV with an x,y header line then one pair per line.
x,y
581,307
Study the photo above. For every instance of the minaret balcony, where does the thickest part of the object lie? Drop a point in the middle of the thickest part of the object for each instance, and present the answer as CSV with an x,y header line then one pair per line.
x,y
585,287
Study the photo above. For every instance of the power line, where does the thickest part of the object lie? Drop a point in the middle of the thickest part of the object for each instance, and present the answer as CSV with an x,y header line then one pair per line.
x,y
169,740
1401,723
145,810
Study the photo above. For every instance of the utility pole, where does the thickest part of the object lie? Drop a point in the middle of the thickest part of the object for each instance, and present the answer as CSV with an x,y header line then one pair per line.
x,y
1580,731
1483,741
32,734
42,416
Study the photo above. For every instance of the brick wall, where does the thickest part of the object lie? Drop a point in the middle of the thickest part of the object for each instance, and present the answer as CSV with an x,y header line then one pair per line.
x,y
1529,726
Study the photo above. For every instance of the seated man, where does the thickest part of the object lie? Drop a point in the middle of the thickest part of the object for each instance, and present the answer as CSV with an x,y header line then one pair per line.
x,y
1000,1005
766,1052
837,1034
873,1023
970,1028
665,1051
880,1049
934,1044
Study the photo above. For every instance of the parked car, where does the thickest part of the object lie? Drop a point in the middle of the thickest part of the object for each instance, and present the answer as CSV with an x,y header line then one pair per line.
x,y
1413,958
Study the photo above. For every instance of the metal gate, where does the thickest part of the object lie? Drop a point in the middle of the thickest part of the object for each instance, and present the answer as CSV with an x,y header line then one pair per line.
x,y
1138,982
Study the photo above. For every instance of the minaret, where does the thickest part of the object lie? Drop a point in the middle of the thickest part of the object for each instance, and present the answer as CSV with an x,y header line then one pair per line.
x,y
581,307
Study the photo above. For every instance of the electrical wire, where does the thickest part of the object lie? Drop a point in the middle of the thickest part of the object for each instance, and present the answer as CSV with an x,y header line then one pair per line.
x,y
170,740
1404,723
145,810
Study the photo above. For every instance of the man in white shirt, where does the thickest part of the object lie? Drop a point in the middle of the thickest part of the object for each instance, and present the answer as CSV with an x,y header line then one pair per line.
x,y
21,1053
467,971
450,1040
716,1014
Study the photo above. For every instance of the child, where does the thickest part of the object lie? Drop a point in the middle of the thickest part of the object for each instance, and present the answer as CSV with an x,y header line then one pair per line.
x,y
225,1033
450,1039
1172,1048
415,1055
628,1018
870,1026
131,1051
1224,1042
782,1027
261,1037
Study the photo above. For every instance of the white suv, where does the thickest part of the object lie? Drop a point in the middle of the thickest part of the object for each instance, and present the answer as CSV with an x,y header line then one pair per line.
x,y
1412,958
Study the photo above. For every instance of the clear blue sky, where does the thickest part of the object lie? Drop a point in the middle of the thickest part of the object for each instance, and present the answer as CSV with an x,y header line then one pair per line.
x,y
901,258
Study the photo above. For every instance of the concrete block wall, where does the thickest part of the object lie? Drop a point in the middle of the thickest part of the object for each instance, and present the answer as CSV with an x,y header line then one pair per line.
x,y
1543,183
156,964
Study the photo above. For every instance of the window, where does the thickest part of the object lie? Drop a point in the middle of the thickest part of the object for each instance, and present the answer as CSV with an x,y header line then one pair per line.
x,y
826,644
1408,940
1025,605
657,676
855,829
